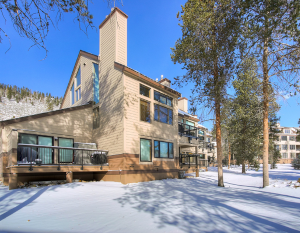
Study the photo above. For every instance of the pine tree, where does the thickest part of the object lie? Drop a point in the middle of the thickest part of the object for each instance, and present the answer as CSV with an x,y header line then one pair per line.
x,y
9,92
271,29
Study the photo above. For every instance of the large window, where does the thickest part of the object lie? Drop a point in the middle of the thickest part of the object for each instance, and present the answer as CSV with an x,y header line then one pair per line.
x,y
292,147
78,77
96,118
276,147
190,126
292,138
146,153
163,149
293,155
163,98
145,91
78,94
96,82
145,110
200,132
163,114
65,155
284,147
27,154
287,131
283,138
72,95
284,155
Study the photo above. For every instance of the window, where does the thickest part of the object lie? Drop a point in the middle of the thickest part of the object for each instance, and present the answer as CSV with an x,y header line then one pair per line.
x,y
283,138
200,132
292,138
146,150
72,95
284,147
78,77
163,98
287,131
284,155
292,147
208,139
276,147
65,155
163,114
163,149
145,111
27,154
96,82
145,91
201,138
78,94
293,155
190,126
96,118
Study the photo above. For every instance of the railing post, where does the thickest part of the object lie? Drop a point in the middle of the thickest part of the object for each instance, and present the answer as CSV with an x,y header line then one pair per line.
x,y
30,168
82,160
58,155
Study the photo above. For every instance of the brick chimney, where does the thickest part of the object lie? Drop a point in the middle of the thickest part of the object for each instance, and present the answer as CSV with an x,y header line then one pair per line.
x,y
113,38
183,104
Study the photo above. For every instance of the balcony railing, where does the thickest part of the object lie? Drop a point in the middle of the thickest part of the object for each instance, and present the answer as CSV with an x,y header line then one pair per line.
x,y
28,154
187,130
192,160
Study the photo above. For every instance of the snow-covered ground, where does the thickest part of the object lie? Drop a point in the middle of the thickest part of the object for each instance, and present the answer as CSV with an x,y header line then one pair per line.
x,y
173,205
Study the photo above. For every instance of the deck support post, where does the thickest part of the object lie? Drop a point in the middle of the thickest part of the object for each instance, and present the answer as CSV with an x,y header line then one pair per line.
x,y
13,181
69,177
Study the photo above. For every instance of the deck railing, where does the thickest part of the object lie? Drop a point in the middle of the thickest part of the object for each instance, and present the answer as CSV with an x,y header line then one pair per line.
x,y
187,130
28,154
193,160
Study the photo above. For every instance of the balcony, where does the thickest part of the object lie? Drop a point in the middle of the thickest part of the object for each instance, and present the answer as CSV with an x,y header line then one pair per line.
x,y
39,155
193,160
187,130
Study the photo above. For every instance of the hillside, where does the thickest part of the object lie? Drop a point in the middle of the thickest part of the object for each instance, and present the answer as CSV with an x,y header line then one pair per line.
x,y
11,109
17,102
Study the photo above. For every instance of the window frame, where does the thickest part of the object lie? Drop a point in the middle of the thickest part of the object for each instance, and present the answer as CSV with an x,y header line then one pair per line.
x,y
287,131
283,137
168,114
285,153
167,97
149,105
149,89
150,150
96,119
159,156
284,147
65,149
292,146
77,89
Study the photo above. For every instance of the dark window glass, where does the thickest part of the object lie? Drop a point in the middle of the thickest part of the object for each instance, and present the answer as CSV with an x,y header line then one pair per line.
x,y
163,114
145,150
284,138
145,111
200,132
163,98
170,116
292,138
156,149
284,147
163,149
145,91
96,118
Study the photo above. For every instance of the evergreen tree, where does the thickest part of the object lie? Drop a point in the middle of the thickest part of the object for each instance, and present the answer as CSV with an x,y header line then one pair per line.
x,y
271,29
9,92
245,122
207,50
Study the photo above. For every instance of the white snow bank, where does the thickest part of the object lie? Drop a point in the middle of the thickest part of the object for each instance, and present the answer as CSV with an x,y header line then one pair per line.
x,y
172,205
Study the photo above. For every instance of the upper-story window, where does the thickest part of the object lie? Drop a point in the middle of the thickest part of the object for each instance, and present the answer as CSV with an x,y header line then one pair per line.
x,y
72,95
200,132
78,83
287,131
163,98
145,111
283,138
163,114
292,138
145,91
96,82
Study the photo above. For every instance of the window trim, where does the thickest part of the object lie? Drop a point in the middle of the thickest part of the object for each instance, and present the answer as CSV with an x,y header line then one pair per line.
x,y
159,150
147,88
149,103
150,151
168,114
77,87
58,156
166,96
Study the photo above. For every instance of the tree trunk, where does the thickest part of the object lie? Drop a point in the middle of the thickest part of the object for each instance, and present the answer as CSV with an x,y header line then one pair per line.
x,y
243,167
229,155
265,111
219,146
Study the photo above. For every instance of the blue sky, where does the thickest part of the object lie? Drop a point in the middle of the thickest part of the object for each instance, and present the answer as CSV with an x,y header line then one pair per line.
x,y
152,30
